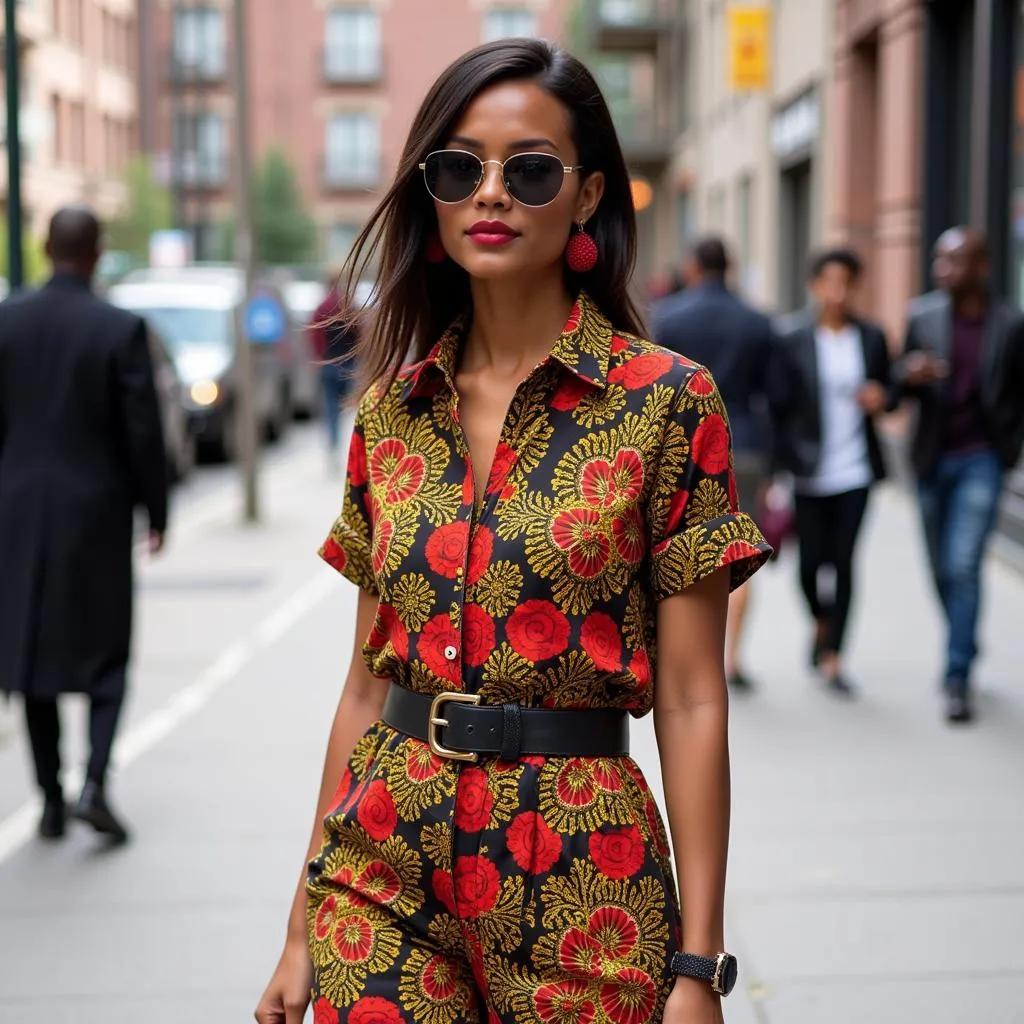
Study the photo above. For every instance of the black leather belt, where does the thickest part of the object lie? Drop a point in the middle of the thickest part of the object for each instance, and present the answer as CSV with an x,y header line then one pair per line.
x,y
458,727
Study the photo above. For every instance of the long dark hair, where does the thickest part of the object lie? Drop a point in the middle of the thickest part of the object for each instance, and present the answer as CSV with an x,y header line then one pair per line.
x,y
414,300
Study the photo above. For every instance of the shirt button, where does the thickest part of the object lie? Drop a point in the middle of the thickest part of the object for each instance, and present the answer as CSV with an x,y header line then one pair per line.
x,y
451,653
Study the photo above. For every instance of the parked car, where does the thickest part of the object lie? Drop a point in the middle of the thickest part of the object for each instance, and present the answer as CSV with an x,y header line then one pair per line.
x,y
171,394
198,316
302,297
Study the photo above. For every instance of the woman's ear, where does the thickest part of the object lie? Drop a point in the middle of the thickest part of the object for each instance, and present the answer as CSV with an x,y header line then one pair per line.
x,y
590,196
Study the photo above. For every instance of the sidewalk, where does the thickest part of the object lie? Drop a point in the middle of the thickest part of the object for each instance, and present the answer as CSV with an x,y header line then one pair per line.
x,y
877,869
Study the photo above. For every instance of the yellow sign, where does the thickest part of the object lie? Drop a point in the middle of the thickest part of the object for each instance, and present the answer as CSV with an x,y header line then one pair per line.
x,y
749,46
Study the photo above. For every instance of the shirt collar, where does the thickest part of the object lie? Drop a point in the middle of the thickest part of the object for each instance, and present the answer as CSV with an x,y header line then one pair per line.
x,y
583,347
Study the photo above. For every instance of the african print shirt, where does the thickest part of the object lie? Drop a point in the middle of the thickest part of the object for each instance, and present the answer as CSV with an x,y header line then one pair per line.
x,y
611,489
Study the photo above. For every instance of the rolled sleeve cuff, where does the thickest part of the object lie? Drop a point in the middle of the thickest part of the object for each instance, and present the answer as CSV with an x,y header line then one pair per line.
x,y
697,551
349,553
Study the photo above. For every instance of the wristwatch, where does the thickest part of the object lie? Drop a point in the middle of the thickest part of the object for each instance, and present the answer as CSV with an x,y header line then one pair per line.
x,y
721,970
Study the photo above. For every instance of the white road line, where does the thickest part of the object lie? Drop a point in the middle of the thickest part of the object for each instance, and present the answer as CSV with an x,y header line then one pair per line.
x,y
19,827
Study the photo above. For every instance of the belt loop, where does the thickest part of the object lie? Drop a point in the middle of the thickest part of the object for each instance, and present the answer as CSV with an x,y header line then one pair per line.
x,y
511,732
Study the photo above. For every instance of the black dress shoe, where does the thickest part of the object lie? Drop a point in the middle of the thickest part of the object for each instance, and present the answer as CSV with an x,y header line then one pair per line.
x,y
959,707
92,808
738,681
52,823
840,686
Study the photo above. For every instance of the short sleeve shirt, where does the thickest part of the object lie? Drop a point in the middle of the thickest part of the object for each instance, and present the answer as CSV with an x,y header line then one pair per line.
x,y
611,489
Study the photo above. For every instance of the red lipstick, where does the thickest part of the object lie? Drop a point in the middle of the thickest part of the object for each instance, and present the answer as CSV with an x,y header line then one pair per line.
x,y
492,232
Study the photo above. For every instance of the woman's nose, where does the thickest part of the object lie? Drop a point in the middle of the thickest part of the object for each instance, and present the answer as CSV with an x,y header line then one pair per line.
x,y
492,191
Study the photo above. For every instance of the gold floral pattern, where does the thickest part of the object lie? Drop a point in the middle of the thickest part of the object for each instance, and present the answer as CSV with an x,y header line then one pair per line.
x,y
537,890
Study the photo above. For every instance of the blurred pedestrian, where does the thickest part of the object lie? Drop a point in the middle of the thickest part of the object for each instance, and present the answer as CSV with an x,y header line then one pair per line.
x,y
80,447
540,521
829,387
711,325
964,366
333,334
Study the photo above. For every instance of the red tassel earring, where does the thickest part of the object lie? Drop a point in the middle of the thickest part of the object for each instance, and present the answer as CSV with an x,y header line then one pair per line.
x,y
581,252
435,249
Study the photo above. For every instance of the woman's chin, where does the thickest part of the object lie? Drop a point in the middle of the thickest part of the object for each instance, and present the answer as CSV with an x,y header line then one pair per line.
x,y
499,266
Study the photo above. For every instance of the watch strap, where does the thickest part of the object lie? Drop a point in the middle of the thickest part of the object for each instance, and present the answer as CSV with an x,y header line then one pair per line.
x,y
689,965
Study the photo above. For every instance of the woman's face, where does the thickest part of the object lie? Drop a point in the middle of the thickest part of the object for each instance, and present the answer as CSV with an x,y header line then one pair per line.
x,y
510,118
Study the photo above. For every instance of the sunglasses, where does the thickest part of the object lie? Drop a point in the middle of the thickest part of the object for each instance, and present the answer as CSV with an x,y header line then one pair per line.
x,y
532,179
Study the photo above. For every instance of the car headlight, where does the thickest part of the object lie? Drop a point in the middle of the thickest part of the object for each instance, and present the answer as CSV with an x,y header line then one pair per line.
x,y
204,392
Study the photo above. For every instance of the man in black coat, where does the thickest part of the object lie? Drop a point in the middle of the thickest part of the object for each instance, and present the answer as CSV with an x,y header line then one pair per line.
x,y
713,326
964,365
80,447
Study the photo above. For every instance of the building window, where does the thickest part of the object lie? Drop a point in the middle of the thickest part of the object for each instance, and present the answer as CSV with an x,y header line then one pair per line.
x,y
200,42
352,45
352,157
200,148
56,116
340,239
76,123
508,23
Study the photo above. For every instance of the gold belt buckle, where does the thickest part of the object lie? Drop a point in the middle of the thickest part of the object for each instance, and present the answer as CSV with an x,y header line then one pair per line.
x,y
437,723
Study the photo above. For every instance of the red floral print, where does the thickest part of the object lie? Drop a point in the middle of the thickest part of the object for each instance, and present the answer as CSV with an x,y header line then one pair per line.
x,y
618,853
579,955
564,1002
357,460
700,383
640,668
534,846
446,549
600,638
439,634
326,915
710,448
578,531
397,474
641,371
388,627
736,551
374,1010
676,508
619,345
439,981
654,826
538,630
477,635
353,938
606,776
575,783
604,484
504,459
477,883
334,554
324,1013
376,812
613,931
421,763
575,315
378,882
468,487
473,800
630,536
570,393
383,532
481,547
444,889
630,998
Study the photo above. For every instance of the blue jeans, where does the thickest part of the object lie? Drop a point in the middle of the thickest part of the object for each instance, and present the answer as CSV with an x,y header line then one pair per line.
x,y
335,386
959,501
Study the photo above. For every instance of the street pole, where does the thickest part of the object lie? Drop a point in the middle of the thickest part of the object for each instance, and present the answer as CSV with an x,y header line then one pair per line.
x,y
15,264
245,254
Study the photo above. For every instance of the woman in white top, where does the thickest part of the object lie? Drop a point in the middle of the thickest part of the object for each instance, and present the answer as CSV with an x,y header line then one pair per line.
x,y
832,381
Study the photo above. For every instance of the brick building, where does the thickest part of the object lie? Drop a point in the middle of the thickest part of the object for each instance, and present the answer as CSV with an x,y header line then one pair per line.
x,y
334,84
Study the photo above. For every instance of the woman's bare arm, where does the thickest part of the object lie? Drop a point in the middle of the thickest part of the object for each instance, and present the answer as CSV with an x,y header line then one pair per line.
x,y
691,723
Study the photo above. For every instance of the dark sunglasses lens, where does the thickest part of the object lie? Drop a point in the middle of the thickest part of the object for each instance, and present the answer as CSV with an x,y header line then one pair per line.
x,y
452,176
533,179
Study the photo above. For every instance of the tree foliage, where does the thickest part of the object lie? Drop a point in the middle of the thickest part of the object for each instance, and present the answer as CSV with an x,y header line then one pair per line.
x,y
285,232
34,262
148,208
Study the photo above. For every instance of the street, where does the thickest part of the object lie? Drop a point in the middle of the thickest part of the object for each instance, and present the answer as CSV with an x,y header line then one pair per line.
x,y
877,858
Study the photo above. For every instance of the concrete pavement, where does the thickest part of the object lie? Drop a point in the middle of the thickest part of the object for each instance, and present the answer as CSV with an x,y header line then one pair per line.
x,y
877,869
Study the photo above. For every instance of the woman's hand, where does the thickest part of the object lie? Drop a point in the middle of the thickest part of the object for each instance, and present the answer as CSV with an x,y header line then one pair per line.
x,y
693,1002
287,995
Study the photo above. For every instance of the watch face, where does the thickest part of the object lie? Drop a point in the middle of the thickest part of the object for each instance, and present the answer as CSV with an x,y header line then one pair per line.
x,y
728,970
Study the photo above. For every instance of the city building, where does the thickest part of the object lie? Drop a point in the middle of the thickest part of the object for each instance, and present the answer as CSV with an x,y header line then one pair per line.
x,y
79,105
334,86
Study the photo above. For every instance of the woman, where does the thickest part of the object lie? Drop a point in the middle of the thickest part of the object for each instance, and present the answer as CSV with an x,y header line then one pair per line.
x,y
832,382
533,508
